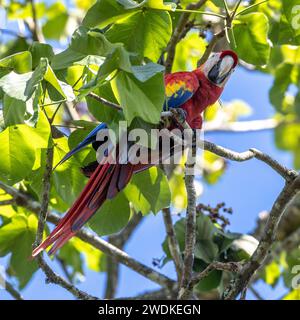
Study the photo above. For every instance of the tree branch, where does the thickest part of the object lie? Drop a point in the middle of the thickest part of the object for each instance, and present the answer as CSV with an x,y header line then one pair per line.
x,y
223,266
176,36
244,276
172,241
190,232
286,173
33,25
53,277
9,288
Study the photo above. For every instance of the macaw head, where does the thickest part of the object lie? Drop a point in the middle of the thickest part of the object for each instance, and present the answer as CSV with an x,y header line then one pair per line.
x,y
219,67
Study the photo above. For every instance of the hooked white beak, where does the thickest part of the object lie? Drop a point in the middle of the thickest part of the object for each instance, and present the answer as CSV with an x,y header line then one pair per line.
x,y
226,65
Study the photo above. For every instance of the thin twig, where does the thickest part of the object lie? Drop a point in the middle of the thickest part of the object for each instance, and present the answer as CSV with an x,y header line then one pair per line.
x,y
104,101
211,46
7,202
9,288
172,241
45,196
33,25
53,277
223,266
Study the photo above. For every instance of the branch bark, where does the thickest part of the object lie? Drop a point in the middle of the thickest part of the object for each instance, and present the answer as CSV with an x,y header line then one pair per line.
x,y
190,232
172,241
244,276
10,289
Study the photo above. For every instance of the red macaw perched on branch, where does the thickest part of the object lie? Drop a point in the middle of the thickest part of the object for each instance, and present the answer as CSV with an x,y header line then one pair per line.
x,y
192,92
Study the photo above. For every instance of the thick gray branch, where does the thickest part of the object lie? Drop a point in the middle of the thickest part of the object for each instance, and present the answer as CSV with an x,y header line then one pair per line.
x,y
244,277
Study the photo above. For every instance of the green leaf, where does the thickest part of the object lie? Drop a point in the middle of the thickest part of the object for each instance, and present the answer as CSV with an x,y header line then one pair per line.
x,y
18,146
23,86
94,257
13,110
16,237
149,191
112,216
104,12
212,281
251,35
63,88
147,71
100,111
145,32
20,62
84,43
67,178
206,250
282,81
54,28
40,50
139,99
287,137
14,85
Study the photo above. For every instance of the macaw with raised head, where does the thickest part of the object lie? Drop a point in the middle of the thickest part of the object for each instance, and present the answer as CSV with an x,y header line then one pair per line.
x,y
189,92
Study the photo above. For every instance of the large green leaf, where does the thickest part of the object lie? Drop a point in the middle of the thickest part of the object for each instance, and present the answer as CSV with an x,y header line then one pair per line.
x,y
20,62
22,86
13,110
282,81
18,146
149,191
251,37
40,50
145,32
64,89
84,43
104,12
140,99
112,216
16,237
287,137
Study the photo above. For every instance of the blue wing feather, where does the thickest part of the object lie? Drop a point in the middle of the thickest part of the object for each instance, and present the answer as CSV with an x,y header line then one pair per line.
x,y
90,138
177,99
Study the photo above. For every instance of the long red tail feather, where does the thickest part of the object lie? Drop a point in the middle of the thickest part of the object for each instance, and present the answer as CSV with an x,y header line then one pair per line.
x,y
105,182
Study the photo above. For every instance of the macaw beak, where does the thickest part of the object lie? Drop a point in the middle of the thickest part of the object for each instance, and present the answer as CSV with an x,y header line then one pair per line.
x,y
221,70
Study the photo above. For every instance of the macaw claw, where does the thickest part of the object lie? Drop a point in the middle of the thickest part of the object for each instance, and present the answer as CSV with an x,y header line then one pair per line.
x,y
179,114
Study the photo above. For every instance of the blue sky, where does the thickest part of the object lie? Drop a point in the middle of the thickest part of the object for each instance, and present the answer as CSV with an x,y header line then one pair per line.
x,y
249,188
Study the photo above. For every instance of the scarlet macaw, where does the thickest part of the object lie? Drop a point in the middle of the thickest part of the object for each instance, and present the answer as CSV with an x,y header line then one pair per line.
x,y
193,92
